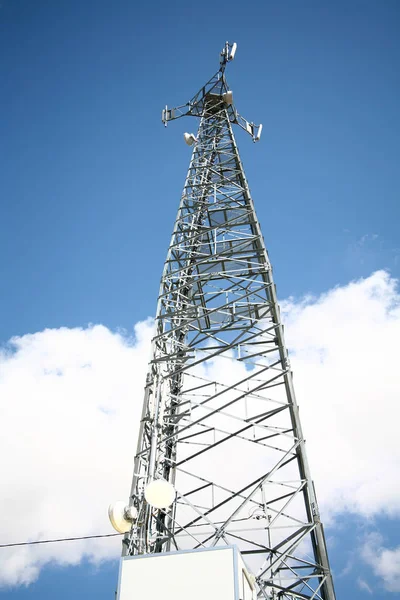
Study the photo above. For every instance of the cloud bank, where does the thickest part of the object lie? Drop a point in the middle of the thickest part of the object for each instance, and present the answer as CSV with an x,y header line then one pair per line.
x,y
385,562
71,402
344,346
70,411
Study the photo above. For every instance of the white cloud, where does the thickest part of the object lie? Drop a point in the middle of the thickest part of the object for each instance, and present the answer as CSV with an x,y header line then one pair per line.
x,y
71,400
363,585
385,563
344,349
349,566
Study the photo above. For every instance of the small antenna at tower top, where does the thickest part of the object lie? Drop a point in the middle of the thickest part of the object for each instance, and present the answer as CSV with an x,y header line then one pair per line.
x,y
228,52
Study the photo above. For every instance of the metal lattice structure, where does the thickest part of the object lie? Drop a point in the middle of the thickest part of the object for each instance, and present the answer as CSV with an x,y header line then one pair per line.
x,y
220,419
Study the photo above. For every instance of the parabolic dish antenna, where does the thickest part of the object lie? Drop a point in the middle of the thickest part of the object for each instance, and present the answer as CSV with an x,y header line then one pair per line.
x,y
160,493
122,516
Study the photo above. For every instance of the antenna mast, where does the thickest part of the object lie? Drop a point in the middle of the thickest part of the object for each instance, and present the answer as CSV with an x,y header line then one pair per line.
x,y
221,456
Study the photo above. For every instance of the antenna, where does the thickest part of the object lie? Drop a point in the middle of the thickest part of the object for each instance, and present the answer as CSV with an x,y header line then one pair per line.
x,y
218,88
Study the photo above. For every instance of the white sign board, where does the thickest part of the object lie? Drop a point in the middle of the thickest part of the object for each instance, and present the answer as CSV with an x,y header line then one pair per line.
x,y
211,574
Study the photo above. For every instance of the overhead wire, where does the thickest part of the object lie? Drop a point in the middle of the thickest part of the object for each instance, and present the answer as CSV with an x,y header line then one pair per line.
x,y
77,538
71,539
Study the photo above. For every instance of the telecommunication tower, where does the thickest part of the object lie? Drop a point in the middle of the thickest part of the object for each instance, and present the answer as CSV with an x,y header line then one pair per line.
x,y
221,459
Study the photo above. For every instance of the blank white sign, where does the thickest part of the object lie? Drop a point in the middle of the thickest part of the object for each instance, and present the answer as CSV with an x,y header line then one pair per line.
x,y
198,575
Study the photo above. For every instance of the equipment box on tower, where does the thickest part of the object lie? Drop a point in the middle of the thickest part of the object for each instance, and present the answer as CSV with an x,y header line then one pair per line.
x,y
205,574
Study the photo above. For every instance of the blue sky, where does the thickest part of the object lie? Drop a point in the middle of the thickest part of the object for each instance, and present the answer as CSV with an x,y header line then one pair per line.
x,y
91,180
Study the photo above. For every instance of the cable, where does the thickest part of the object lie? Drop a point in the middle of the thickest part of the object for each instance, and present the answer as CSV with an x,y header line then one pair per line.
x,y
72,539
84,537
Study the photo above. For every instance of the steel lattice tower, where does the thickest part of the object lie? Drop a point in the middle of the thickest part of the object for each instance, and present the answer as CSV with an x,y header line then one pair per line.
x,y
220,419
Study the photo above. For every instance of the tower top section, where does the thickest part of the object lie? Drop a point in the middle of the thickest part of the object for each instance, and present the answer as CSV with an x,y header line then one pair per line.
x,y
214,96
